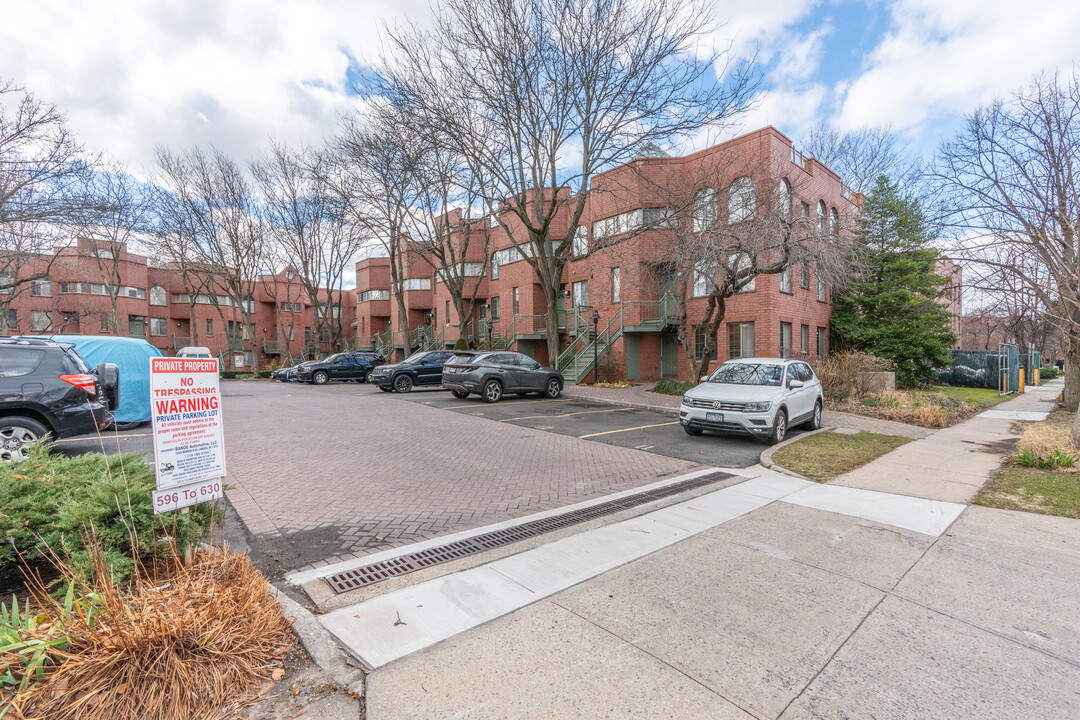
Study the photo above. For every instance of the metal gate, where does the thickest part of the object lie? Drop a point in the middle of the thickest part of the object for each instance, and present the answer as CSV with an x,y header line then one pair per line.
x,y
1008,369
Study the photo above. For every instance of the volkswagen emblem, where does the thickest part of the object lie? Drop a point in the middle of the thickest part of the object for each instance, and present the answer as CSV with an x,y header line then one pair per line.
x,y
716,405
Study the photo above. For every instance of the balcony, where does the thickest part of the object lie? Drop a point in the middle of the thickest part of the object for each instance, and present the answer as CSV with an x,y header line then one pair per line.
x,y
181,341
271,348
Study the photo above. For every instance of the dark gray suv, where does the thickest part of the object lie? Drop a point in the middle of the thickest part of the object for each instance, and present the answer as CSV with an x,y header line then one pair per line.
x,y
492,375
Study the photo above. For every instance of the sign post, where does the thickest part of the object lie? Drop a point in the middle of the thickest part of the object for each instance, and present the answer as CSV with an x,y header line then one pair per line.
x,y
189,447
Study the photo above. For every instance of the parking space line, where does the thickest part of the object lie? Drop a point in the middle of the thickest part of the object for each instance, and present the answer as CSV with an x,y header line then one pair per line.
x,y
510,402
580,412
641,427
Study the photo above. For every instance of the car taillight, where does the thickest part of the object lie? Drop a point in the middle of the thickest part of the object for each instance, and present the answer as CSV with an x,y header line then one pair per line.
x,y
83,382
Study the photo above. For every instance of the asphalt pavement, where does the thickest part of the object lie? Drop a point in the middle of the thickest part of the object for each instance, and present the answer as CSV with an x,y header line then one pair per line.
x,y
138,440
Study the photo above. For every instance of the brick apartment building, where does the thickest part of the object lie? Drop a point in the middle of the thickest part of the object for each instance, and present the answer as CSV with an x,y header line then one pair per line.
x,y
629,284
154,303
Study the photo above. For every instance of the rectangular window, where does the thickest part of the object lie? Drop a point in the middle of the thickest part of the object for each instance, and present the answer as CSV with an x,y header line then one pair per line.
x,y
103,254
495,266
581,241
495,308
297,307
12,320
517,303
40,320
618,224
447,315
249,332
704,279
616,290
307,336
6,281
158,327
785,280
699,343
821,342
581,293
209,327
785,339
103,318
804,277
41,288
740,338
820,287
804,339
659,217
416,284
369,295
742,262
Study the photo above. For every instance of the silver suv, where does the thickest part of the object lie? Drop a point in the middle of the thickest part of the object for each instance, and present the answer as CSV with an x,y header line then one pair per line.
x,y
493,374
762,397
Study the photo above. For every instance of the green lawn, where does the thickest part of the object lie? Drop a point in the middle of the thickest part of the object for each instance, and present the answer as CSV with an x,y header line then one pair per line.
x,y
976,396
828,455
1050,492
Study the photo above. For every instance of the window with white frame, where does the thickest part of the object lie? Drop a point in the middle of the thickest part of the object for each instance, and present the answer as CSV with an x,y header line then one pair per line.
x,y
664,217
41,288
414,284
617,224
6,280
209,327
159,326
834,225
741,200
469,269
517,306
704,210
740,338
821,218
103,319
580,241
804,275
295,307
371,295
804,339
103,254
741,262
158,296
616,290
507,256
785,200
785,280
704,279
494,306
40,320
12,319
820,287
785,339
581,293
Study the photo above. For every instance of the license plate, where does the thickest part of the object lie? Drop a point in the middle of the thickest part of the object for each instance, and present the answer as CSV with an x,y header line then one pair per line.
x,y
714,417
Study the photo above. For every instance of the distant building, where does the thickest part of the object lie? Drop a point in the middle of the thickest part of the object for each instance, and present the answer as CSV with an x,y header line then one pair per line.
x,y
952,295
153,303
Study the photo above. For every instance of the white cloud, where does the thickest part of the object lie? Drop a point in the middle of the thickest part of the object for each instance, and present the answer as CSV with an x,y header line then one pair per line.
x,y
943,58
232,72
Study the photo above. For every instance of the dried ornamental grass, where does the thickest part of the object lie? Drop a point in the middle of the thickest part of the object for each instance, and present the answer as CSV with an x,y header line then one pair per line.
x,y
1044,438
202,639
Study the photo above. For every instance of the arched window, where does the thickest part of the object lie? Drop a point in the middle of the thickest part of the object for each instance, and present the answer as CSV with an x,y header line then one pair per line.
x,y
821,218
741,201
704,210
834,225
158,296
785,200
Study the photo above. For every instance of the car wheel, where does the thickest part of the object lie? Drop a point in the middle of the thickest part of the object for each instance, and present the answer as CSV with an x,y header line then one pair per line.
x,y
459,394
386,389
403,383
692,430
124,425
779,428
492,391
16,435
553,388
815,420
320,378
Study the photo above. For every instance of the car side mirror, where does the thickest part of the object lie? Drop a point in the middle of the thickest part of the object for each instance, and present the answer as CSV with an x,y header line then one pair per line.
x,y
704,378
535,365
795,384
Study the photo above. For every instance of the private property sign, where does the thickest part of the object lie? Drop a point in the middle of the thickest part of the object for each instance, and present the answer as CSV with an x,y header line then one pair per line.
x,y
189,448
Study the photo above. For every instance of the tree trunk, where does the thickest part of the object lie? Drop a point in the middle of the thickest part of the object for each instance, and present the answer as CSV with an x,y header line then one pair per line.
x,y
1071,395
552,333
194,325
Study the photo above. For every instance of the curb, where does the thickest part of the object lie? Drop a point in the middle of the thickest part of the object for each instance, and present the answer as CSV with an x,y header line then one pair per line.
x,y
320,645
622,403
765,460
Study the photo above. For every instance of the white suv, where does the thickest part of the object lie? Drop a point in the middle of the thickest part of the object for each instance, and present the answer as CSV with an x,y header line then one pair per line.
x,y
763,397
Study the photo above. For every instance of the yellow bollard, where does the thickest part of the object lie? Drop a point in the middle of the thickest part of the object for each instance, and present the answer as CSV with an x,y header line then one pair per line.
x,y
1035,380
1021,380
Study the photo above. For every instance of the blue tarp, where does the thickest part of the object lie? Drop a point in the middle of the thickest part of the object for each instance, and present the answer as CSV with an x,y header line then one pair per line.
x,y
131,356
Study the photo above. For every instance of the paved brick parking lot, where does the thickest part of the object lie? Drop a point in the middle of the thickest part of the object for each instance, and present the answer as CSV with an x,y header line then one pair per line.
x,y
319,474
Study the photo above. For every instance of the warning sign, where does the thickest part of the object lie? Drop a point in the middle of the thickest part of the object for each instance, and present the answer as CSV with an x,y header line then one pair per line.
x,y
186,407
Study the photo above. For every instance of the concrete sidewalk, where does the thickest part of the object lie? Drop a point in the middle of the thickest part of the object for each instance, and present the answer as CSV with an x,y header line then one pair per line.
x,y
640,396
952,464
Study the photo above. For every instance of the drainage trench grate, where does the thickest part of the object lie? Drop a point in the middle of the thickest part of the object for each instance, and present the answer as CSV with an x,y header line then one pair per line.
x,y
405,564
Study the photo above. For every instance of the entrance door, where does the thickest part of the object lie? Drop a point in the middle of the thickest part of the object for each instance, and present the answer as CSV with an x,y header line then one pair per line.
x,y
666,282
669,346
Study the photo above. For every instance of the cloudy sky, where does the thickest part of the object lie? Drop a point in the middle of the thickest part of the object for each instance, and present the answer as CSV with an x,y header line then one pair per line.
x,y
133,74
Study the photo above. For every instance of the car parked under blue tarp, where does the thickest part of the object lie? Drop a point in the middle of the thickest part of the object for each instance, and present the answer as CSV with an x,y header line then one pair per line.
x,y
131,356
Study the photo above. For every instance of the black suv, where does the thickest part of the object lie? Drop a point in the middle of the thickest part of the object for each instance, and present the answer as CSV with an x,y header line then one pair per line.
x,y
424,369
341,366
46,389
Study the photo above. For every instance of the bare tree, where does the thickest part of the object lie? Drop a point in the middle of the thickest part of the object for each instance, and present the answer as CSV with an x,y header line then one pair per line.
x,y
118,212
1011,175
863,155
722,240
541,95
308,225
41,172
226,228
